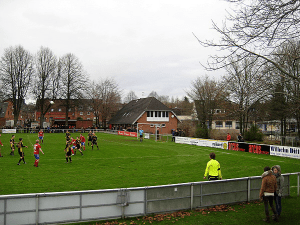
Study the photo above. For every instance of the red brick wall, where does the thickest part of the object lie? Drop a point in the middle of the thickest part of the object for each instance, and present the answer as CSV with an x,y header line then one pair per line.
x,y
172,124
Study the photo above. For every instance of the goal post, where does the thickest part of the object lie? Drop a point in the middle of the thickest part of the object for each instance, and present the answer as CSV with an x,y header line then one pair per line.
x,y
157,125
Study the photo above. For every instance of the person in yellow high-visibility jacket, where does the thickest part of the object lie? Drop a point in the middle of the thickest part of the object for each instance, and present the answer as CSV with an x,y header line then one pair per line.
x,y
213,168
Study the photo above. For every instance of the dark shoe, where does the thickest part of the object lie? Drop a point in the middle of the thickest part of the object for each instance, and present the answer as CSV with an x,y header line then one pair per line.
x,y
267,220
275,218
18,164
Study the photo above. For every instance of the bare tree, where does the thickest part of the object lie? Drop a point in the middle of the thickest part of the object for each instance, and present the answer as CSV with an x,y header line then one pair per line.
x,y
247,84
96,101
130,96
106,98
206,94
153,94
73,80
16,70
256,28
286,92
46,81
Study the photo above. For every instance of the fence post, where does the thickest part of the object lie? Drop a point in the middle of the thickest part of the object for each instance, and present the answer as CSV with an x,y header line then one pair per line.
x,y
5,206
145,202
201,198
298,184
37,209
249,189
192,196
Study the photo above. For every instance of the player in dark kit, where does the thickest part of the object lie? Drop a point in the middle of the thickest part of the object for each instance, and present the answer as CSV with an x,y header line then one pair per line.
x,y
77,146
20,150
94,141
68,152
67,136
12,144
90,135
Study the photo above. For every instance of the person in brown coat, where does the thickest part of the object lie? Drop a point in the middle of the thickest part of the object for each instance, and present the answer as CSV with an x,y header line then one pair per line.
x,y
268,187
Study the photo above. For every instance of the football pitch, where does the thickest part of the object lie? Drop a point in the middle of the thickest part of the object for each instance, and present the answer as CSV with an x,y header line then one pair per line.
x,y
122,162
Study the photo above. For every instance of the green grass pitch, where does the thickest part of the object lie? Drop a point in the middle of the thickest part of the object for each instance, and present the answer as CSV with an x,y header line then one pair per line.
x,y
121,162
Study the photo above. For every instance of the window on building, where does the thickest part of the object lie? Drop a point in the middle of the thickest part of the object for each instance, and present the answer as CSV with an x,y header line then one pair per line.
x,y
219,124
237,125
81,113
163,125
228,124
151,125
88,113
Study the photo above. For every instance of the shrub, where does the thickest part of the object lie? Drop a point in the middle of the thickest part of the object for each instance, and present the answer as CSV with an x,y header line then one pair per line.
x,y
254,134
201,131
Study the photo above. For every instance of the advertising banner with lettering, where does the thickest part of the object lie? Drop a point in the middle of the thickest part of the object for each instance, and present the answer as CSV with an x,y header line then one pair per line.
x,y
126,133
9,131
182,140
249,147
217,144
285,151
202,142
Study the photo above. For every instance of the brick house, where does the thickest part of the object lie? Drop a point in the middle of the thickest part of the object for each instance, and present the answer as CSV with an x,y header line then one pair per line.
x,y
80,110
7,114
145,112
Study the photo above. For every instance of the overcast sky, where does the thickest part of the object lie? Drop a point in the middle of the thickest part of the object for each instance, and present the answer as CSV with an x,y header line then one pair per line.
x,y
145,45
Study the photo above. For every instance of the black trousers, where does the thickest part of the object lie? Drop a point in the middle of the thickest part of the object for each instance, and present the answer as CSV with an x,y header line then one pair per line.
x,y
268,200
213,178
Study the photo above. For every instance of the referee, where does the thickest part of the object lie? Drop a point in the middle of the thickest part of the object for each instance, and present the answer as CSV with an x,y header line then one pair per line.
x,y
213,169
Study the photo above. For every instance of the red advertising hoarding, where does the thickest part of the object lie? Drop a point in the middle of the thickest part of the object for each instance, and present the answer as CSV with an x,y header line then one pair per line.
x,y
126,133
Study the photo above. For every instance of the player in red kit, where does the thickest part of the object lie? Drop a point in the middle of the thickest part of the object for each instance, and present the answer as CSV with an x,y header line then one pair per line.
x,y
82,139
41,136
36,151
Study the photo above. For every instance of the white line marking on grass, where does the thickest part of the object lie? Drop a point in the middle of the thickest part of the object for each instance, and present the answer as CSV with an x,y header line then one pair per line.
x,y
92,158
29,140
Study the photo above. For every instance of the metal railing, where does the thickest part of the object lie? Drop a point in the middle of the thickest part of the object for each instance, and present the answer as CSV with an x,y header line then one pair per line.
x,y
79,206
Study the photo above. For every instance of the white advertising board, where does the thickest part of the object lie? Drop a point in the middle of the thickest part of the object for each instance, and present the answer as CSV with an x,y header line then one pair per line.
x,y
285,151
9,131
202,142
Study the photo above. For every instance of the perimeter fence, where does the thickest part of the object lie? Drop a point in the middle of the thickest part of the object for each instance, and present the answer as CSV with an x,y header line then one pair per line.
x,y
79,206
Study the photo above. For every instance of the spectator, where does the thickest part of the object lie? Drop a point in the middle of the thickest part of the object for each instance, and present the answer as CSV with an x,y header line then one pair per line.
x,y
268,187
240,138
279,191
228,138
